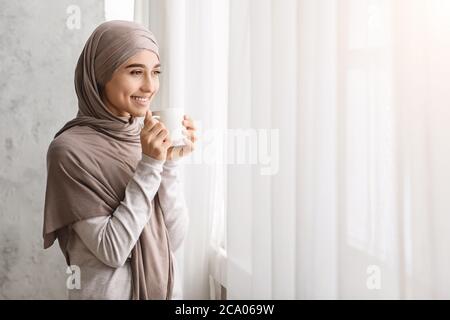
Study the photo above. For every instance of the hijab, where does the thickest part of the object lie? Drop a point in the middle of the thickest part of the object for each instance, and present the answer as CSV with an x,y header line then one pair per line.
x,y
93,157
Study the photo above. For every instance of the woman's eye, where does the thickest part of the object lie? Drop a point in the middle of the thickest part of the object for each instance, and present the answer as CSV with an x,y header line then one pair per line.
x,y
157,72
136,72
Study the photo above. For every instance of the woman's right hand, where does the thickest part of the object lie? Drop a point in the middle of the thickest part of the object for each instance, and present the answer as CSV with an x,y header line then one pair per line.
x,y
155,139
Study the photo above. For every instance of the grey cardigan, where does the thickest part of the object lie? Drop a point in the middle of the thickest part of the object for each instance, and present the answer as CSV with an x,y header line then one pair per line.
x,y
101,246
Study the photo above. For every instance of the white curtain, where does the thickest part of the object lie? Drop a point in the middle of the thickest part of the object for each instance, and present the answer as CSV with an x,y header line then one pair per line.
x,y
332,119
261,194
359,207
193,39
422,51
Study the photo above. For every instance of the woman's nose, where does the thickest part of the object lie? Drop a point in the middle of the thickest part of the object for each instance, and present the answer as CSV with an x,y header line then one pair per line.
x,y
149,84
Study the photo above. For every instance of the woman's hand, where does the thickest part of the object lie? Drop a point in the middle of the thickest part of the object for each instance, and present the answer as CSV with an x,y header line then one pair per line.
x,y
155,140
174,153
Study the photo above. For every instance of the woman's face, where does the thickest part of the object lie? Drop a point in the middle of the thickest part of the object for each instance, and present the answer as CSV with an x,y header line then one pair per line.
x,y
133,85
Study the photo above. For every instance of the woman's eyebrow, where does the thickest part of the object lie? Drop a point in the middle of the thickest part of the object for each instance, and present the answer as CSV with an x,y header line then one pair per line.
x,y
138,65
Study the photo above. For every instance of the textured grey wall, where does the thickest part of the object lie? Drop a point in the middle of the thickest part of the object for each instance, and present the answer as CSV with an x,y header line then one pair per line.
x,y
38,53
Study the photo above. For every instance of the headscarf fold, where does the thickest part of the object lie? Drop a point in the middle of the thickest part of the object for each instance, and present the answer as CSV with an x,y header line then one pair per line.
x,y
94,156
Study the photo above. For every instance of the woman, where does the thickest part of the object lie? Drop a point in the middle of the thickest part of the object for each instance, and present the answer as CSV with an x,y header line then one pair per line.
x,y
113,197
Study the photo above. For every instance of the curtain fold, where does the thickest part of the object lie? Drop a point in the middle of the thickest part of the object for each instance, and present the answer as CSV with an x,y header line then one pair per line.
x,y
358,207
193,48
324,128
422,69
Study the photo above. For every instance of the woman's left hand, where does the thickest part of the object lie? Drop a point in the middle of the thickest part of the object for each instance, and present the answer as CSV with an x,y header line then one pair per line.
x,y
174,153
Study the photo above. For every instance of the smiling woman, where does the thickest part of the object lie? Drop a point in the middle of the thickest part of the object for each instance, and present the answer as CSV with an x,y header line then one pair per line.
x,y
113,197
133,85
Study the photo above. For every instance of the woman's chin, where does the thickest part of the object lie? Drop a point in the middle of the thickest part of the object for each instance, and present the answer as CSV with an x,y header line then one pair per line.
x,y
139,113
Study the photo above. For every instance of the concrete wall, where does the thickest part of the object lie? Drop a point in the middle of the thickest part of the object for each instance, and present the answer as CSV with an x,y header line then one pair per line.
x,y
38,53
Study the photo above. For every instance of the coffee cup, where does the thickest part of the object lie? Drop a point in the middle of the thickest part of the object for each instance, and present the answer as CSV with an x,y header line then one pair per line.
x,y
172,118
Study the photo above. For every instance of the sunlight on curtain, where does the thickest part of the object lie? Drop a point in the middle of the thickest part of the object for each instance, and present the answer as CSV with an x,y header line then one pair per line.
x,y
262,96
423,67
368,142
366,80
356,92
371,171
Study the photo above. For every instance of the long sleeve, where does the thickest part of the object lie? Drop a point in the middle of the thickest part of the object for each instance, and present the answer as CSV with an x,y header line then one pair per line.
x,y
111,238
173,203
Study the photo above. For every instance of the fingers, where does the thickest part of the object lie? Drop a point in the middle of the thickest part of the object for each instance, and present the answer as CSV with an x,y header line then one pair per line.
x,y
174,153
171,153
191,135
149,121
167,142
156,130
189,123
161,135
189,147
148,117
177,152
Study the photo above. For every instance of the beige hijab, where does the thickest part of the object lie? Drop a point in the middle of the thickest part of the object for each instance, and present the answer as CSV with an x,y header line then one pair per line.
x,y
93,157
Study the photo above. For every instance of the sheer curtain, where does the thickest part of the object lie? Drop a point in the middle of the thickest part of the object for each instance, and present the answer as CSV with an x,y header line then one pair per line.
x,y
422,69
193,38
324,138
261,195
358,207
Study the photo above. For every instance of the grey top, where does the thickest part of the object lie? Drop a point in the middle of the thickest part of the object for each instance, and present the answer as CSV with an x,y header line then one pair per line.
x,y
101,246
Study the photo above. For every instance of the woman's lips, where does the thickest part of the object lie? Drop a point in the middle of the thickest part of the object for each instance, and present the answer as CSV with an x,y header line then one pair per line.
x,y
142,101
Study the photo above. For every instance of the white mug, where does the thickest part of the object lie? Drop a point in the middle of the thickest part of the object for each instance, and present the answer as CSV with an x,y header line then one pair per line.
x,y
172,118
